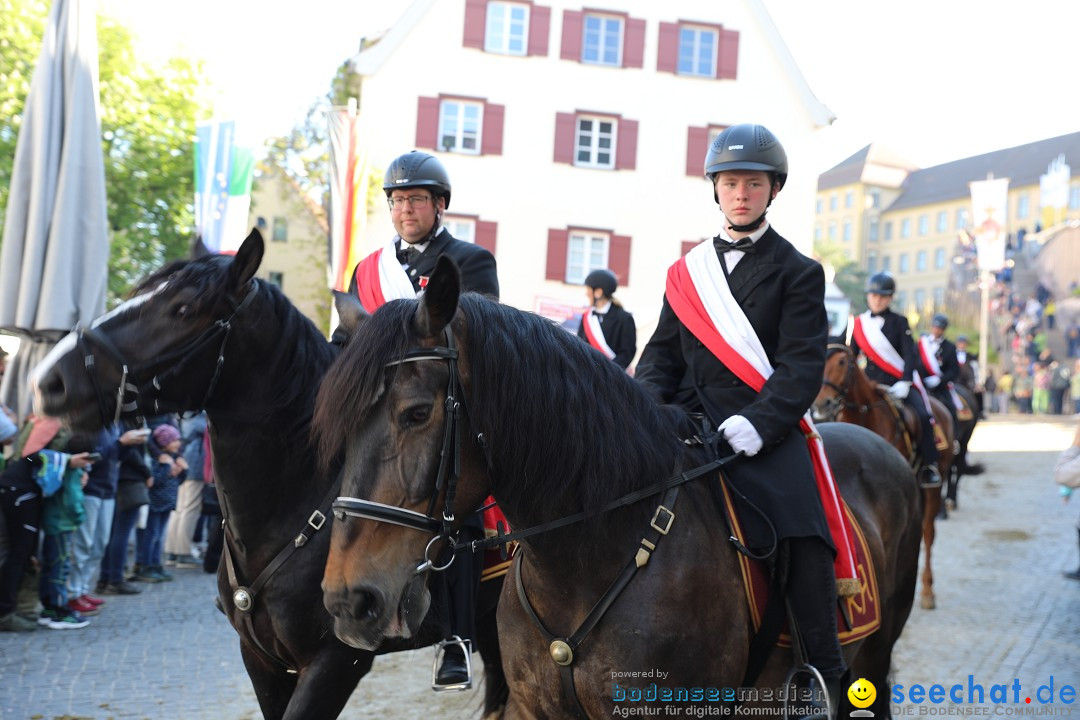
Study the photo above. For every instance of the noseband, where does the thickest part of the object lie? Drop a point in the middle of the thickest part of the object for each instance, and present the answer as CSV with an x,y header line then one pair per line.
x,y
448,473
127,392
832,406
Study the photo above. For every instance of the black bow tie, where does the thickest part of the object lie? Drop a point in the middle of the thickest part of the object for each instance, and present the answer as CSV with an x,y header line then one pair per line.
x,y
880,314
722,246
408,256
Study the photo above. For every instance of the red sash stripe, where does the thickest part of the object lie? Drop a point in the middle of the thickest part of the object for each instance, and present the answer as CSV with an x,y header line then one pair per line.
x,y
368,285
864,344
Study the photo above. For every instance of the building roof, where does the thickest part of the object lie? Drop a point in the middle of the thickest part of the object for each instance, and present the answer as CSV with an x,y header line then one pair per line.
x,y
873,165
1023,165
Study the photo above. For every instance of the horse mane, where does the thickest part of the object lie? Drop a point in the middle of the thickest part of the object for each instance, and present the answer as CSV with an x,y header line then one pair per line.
x,y
297,364
563,422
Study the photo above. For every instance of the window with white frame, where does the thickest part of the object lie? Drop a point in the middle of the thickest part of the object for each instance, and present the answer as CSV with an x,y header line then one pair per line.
x,y
461,228
1023,206
847,230
924,224
602,42
507,29
1074,197
460,125
697,51
939,297
942,221
961,218
585,252
939,259
920,298
920,261
594,142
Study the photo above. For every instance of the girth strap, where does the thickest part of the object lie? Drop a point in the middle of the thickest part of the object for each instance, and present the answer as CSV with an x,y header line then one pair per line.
x,y
562,649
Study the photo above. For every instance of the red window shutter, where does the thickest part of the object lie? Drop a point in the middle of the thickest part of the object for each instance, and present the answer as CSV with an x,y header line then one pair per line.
x,y
572,25
619,258
492,141
634,44
427,123
626,150
564,137
485,234
667,56
727,62
475,23
539,30
557,248
697,144
688,245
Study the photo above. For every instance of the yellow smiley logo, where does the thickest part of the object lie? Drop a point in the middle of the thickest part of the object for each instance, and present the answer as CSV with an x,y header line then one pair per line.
x,y
862,693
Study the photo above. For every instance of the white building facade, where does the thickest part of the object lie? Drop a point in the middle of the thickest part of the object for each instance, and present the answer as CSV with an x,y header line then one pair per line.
x,y
575,135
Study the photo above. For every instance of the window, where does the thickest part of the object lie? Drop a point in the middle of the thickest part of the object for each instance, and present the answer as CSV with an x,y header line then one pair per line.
x,y
939,297
281,230
961,218
698,141
849,199
507,30
939,259
594,144
886,263
888,230
1023,206
697,51
602,40
872,230
901,300
942,221
905,228
461,228
920,263
1074,197
818,206
460,126
832,202
920,298
847,230
586,252
871,262
875,198
817,232
832,230
277,279
902,265
924,224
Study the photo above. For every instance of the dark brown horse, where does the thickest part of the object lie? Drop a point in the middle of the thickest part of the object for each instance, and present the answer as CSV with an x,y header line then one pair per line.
x,y
967,419
847,395
207,334
457,397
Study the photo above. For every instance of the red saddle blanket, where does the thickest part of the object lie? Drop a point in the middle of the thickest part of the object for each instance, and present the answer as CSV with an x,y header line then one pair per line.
x,y
494,564
856,616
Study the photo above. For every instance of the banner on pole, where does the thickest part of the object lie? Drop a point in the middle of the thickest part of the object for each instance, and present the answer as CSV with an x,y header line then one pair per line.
x,y
1054,191
989,204
223,175
348,193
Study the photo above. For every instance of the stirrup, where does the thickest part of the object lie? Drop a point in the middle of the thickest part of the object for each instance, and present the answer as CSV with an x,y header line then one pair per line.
x,y
815,676
440,654
929,471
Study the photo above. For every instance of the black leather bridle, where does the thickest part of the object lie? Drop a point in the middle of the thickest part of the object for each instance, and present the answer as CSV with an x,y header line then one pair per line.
x,y
89,338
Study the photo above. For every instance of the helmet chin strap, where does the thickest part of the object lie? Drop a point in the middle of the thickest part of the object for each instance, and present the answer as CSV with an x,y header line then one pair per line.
x,y
749,227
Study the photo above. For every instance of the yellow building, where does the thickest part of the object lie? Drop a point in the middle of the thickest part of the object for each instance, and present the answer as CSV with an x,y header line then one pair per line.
x,y
887,214
297,249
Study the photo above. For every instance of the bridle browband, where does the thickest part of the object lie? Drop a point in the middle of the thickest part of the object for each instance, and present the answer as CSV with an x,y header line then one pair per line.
x,y
129,388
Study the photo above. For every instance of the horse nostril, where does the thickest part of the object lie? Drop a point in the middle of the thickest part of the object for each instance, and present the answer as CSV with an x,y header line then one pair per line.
x,y
366,602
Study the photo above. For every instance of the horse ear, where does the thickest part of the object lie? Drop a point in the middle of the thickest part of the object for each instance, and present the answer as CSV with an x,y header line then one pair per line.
x,y
198,248
439,301
350,311
247,259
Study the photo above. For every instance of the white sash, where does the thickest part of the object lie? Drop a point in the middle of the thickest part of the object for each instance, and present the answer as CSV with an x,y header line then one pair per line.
x,y
879,342
595,331
929,357
393,279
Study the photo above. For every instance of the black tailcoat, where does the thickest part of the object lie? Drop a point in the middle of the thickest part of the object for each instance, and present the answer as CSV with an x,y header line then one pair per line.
x,y
620,333
898,333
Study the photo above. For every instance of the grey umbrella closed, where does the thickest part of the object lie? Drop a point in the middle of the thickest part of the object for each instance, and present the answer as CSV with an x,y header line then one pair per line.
x,y
54,262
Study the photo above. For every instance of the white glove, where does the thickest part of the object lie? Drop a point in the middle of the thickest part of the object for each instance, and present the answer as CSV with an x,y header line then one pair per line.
x,y
932,382
741,435
900,389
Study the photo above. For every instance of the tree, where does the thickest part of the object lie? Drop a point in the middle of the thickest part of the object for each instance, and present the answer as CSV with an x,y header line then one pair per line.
x,y
148,128
847,275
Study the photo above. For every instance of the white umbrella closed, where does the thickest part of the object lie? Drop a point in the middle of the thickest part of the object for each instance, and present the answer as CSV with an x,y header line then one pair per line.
x,y
54,262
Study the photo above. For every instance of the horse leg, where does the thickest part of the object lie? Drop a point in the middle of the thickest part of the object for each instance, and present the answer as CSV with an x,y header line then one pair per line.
x,y
325,684
931,506
496,690
273,686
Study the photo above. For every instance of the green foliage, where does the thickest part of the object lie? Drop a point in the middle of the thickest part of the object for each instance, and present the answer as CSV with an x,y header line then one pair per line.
x,y
848,277
148,119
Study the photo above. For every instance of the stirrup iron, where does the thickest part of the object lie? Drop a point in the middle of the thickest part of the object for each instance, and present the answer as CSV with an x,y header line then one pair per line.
x,y
440,652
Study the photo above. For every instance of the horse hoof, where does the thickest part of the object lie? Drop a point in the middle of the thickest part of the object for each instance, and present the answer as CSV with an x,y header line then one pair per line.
x,y
927,603
950,504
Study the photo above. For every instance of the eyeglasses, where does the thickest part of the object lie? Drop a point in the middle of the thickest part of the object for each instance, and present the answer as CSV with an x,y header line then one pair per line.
x,y
415,202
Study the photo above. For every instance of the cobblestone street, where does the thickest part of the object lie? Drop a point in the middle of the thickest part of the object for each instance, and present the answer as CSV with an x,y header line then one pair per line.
x,y
1004,613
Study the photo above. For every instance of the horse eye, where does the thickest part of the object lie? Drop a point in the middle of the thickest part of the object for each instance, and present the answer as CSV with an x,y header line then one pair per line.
x,y
417,415
182,310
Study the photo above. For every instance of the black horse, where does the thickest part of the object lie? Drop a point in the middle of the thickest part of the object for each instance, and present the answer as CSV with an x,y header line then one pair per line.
x,y
523,410
207,334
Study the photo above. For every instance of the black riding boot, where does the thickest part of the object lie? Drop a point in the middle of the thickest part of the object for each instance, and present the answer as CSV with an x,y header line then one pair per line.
x,y
460,585
1075,574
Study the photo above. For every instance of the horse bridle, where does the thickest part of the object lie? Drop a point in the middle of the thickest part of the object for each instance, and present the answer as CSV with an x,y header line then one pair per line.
x,y
129,388
446,477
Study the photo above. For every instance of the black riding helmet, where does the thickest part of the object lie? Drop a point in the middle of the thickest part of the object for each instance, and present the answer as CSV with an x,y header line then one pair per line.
x,y
881,283
940,321
746,147
418,169
603,279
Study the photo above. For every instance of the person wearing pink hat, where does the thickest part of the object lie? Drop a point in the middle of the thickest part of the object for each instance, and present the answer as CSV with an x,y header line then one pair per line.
x,y
169,470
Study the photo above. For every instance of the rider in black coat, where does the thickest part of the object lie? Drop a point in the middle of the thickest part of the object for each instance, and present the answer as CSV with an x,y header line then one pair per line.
x,y
945,354
616,325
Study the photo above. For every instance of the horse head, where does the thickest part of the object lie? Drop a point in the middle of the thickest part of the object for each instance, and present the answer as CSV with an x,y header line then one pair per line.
x,y
394,400
128,361
836,382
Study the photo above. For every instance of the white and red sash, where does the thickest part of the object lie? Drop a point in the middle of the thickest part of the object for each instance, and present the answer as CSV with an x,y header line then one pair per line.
x,y
698,293
594,333
929,359
380,277
876,346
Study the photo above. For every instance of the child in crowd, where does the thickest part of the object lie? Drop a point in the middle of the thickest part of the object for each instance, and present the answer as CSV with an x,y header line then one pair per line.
x,y
169,470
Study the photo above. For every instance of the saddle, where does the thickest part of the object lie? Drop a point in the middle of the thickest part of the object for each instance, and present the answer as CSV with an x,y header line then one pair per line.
x,y
911,428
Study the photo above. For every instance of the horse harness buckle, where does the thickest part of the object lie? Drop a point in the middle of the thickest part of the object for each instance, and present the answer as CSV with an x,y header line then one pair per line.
x,y
316,521
668,520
